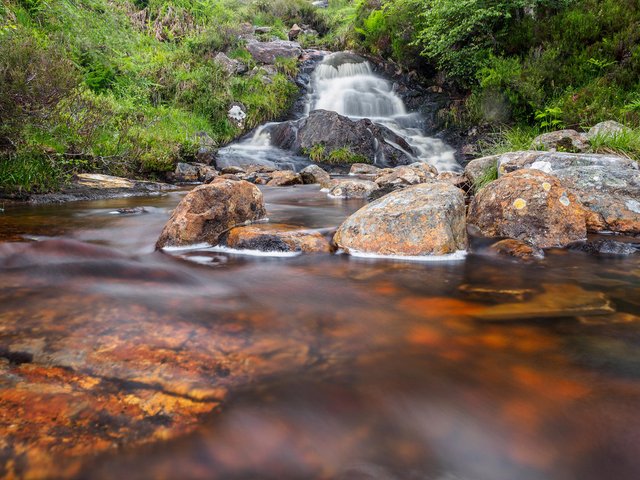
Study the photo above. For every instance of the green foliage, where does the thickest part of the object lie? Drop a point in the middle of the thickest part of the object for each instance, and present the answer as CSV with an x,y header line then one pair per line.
x,y
105,86
344,155
549,119
510,139
339,156
29,173
625,143
488,176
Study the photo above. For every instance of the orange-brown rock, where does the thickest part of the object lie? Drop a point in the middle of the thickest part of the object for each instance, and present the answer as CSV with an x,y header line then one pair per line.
x,y
209,210
406,175
352,188
285,178
517,249
315,174
269,237
426,219
531,206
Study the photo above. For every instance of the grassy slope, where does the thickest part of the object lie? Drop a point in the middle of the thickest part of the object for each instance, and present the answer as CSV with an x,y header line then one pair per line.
x,y
123,87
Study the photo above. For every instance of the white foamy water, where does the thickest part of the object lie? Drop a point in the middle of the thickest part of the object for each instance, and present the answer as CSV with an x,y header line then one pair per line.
x,y
346,84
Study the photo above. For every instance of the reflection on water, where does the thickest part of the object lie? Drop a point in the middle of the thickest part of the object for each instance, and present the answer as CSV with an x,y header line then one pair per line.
x,y
116,361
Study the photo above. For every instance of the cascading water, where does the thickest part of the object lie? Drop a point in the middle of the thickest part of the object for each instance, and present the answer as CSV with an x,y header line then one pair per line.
x,y
345,83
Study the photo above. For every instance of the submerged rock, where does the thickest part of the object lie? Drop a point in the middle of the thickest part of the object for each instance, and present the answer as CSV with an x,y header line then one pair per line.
x,y
531,206
517,249
605,247
315,174
352,188
209,210
267,237
427,219
332,131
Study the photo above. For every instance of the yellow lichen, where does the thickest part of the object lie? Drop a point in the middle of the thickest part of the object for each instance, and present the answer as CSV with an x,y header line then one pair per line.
x,y
519,204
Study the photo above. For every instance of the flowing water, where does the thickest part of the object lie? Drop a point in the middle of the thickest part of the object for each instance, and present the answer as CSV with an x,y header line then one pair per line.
x,y
120,362
346,84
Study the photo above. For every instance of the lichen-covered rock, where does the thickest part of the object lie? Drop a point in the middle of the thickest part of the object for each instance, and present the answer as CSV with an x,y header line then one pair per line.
x,y
268,237
550,162
209,210
363,169
531,206
563,140
609,128
267,52
426,219
285,178
608,185
612,194
352,188
231,66
315,174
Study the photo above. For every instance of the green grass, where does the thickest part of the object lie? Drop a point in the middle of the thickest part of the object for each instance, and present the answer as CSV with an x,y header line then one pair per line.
x,y
126,95
509,139
29,174
488,176
625,143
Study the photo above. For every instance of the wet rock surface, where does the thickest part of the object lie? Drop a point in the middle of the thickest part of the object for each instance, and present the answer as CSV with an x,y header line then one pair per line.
x,y
531,206
424,219
209,210
363,137
267,237
314,174
285,178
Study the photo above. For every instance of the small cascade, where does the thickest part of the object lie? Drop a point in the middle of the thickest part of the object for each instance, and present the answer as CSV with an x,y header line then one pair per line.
x,y
346,84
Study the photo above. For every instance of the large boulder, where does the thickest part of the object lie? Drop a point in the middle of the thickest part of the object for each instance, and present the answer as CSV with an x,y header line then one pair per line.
x,y
314,174
550,162
268,52
612,194
268,237
426,219
208,211
332,131
562,140
608,185
531,206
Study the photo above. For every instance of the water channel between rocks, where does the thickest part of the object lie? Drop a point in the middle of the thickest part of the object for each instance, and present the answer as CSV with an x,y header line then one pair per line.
x,y
120,362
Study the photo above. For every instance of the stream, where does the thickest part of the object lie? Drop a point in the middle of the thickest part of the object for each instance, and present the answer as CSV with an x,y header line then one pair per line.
x,y
119,361
312,366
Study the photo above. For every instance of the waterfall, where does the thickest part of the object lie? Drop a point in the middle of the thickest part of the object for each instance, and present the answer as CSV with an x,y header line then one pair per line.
x,y
346,84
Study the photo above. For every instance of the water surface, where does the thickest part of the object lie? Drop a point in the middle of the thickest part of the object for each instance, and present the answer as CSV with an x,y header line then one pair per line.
x,y
118,361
